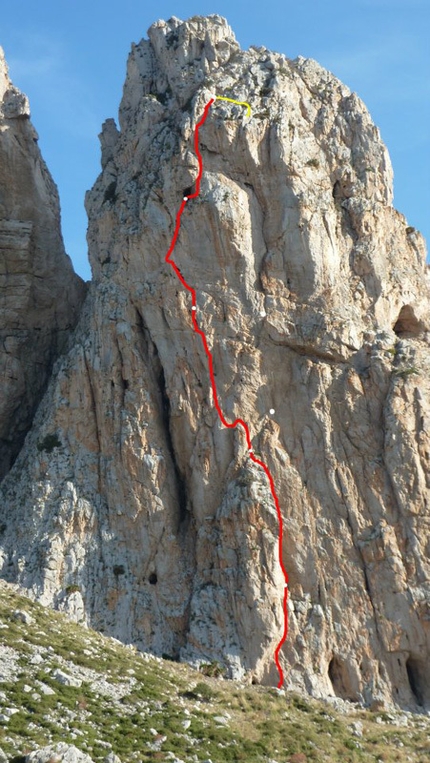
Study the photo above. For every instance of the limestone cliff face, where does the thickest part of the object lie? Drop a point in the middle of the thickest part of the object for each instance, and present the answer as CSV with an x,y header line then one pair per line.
x,y
40,295
312,292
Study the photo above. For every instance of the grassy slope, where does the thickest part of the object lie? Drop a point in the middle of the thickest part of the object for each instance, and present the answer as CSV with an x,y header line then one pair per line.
x,y
160,695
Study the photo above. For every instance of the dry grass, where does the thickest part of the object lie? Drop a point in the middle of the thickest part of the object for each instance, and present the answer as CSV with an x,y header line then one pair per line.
x,y
261,724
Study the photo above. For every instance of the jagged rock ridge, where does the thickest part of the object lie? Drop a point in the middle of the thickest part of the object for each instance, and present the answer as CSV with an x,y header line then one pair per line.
x,y
312,292
40,295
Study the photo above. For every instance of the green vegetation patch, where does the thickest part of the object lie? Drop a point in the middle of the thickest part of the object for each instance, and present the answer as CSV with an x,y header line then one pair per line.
x,y
171,708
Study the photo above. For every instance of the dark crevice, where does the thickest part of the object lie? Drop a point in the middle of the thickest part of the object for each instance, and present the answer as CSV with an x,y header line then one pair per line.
x,y
123,382
152,360
416,680
25,411
180,482
366,581
110,193
407,325
96,422
338,675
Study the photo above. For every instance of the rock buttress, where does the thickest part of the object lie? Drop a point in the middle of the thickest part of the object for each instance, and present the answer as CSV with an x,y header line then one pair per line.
x,y
40,295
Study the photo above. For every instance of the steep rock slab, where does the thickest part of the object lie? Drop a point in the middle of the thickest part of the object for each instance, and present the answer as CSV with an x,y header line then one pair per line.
x,y
131,507
40,295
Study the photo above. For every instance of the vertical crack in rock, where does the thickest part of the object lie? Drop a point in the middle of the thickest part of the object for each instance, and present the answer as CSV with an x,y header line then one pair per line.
x,y
180,482
94,415
159,376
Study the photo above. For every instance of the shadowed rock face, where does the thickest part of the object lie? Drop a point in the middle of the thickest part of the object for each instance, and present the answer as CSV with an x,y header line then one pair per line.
x,y
312,292
40,295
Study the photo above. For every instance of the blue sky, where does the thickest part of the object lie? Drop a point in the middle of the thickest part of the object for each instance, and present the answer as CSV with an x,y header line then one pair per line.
x,y
70,58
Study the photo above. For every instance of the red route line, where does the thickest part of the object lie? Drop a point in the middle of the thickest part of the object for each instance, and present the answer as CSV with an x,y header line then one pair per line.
x,y
237,422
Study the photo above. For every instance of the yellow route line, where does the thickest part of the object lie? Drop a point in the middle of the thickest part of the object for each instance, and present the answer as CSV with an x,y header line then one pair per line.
x,y
239,103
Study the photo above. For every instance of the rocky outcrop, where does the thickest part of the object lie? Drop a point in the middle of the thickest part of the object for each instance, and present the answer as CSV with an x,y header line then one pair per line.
x,y
40,295
131,507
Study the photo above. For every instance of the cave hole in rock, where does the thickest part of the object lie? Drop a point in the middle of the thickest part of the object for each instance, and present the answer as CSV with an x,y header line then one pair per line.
x,y
337,191
419,680
339,677
153,578
110,193
407,324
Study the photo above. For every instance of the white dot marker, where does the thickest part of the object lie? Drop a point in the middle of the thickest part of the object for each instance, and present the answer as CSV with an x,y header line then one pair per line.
x,y
194,307
263,314
250,450
272,411
185,198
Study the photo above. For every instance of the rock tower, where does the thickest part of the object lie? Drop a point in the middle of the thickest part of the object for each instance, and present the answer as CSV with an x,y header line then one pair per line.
x,y
130,506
